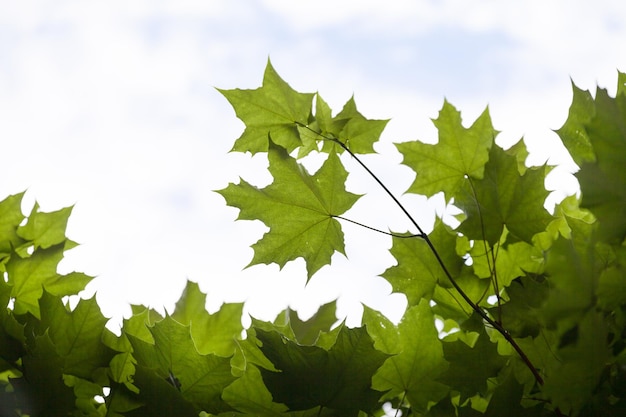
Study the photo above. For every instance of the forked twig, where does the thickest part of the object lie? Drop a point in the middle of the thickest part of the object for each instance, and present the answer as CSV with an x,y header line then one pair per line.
x,y
494,324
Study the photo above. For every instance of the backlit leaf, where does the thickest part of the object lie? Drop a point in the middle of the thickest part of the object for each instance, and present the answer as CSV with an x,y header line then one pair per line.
x,y
502,198
212,333
45,229
76,334
603,182
460,152
174,355
275,109
298,208
417,271
574,132
417,356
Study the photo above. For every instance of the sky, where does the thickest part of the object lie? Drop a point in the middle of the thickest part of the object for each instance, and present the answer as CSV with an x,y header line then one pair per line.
x,y
112,107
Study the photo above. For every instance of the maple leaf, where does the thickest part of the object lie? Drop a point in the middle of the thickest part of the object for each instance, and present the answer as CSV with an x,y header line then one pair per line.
x,y
571,380
520,315
603,182
460,152
471,366
572,267
357,133
308,332
76,334
417,355
502,198
573,133
274,108
339,378
173,356
299,209
611,290
42,385
249,394
29,275
505,401
45,229
511,261
10,218
417,271
212,333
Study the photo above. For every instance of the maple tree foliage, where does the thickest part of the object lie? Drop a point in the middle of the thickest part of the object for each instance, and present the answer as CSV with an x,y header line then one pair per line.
x,y
532,304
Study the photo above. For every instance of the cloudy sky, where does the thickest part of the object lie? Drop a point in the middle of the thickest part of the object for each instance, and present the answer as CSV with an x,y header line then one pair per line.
x,y
111,107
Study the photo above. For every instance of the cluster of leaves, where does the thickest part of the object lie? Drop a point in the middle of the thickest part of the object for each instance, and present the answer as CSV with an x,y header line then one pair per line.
x,y
532,304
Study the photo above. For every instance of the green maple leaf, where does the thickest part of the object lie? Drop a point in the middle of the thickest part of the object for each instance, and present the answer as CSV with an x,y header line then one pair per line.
x,y
299,209
505,401
12,340
174,356
603,182
571,380
212,333
417,272
249,394
417,355
471,366
10,218
29,275
307,332
611,289
309,376
573,133
275,109
76,334
520,315
512,261
357,132
459,153
157,397
572,267
502,198
41,391
45,229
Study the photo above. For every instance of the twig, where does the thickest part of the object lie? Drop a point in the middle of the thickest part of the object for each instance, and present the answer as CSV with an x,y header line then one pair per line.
x,y
447,273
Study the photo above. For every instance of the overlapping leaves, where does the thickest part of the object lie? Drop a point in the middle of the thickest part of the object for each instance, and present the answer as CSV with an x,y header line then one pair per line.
x,y
515,311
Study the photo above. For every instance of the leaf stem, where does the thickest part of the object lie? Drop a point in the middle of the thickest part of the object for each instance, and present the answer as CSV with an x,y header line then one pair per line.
x,y
399,236
447,273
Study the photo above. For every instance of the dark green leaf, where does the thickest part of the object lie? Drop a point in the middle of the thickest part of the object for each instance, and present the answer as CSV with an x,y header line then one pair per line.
x,y
471,366
310,376
307,332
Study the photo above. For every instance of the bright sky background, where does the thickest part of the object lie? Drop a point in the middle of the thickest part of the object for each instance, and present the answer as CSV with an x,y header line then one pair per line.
x,y
110,106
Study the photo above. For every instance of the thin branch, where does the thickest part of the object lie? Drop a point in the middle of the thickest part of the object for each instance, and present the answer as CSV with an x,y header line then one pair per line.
x,y
447,273
399,236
